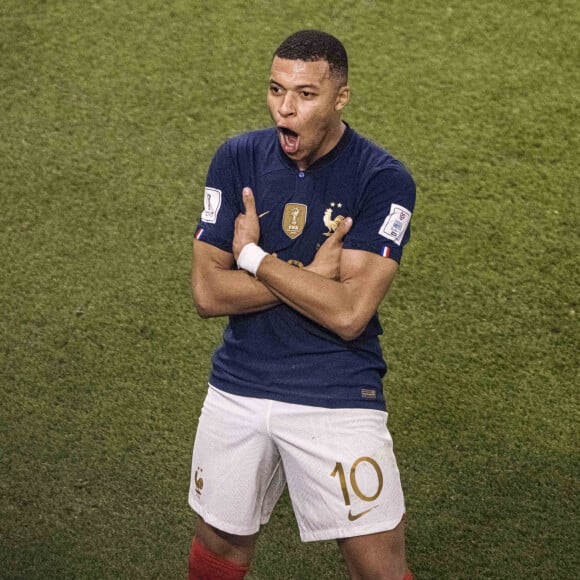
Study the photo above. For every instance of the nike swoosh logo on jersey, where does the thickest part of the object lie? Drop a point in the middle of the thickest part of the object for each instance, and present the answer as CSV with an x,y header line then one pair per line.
x,y
352,517
263,214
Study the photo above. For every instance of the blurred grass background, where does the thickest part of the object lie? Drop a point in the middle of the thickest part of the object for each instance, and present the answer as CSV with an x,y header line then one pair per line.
x,y
109,115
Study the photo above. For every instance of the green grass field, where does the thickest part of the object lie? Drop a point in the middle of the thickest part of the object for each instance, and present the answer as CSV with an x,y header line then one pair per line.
x,y
109,115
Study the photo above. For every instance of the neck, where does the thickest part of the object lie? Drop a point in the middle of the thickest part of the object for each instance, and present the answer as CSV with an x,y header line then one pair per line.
x,y
330,142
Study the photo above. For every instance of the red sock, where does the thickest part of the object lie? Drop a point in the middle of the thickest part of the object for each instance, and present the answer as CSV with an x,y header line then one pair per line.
x,y
205,565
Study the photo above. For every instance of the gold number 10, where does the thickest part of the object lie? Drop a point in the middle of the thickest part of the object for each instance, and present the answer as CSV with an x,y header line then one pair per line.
x,y
339,470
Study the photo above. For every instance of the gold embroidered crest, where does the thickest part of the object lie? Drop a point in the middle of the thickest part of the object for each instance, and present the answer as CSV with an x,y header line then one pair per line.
x,y
330,222
294,219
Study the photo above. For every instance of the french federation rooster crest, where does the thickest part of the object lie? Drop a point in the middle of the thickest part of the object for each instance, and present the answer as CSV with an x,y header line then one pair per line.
x,y
329,222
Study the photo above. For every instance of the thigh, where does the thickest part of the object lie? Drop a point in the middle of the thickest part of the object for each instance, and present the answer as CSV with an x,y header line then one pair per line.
x,y
380,555
236,471
341,471
237,549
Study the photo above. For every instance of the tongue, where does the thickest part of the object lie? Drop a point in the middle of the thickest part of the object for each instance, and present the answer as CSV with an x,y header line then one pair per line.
x,y
289,143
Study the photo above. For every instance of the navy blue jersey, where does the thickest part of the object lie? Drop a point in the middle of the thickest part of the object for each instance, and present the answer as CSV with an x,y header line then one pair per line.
x,y
278,353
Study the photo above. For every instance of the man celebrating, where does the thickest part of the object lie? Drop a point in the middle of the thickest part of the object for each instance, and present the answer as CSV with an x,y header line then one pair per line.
x,y
315,218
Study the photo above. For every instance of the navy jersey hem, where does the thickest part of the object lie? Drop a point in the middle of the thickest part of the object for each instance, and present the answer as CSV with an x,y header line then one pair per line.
x,y
310,401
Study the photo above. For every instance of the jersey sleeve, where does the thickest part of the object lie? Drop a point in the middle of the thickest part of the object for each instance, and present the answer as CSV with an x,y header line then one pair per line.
x,y
382,222
220,206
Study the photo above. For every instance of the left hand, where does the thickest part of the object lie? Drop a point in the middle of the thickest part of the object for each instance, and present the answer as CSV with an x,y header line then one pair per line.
x,y
326,262
247,226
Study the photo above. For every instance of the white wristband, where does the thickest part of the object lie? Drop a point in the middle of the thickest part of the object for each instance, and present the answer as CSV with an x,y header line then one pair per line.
x,y
251,257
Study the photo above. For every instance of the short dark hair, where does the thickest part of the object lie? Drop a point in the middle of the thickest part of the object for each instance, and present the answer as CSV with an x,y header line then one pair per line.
x,y
313,45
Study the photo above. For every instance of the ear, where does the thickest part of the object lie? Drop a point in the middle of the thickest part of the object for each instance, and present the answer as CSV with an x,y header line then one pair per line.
x,y
342,98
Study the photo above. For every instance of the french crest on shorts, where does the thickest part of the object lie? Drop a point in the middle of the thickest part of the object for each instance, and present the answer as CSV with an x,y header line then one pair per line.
x,y
332,222
294,219
198,481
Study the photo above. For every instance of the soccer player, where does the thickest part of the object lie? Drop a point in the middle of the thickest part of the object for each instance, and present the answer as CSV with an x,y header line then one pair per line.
x,y
301,234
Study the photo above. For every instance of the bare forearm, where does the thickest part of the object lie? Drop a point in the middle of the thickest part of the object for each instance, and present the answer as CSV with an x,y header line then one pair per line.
x,y
220,290
231,292
328,302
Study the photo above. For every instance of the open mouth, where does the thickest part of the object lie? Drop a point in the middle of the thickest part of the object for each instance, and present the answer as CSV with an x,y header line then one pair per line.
x,y
289,140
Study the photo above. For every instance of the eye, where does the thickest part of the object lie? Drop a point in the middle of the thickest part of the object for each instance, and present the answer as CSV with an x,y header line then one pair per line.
x,y
307,94
275,90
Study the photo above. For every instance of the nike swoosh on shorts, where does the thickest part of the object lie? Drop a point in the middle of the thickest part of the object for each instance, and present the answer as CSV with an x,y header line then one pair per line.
x,y
352,517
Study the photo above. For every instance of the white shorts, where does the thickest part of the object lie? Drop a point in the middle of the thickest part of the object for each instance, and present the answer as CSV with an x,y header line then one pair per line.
x,y
339,465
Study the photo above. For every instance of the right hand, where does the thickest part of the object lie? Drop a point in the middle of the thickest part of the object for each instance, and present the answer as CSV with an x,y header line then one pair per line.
x,y
326,262
247,225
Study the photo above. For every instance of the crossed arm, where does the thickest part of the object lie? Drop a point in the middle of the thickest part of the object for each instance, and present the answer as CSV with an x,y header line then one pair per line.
x,y
340,289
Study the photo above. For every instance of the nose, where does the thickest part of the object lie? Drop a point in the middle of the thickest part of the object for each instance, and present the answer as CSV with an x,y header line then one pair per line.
x,y
287,107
